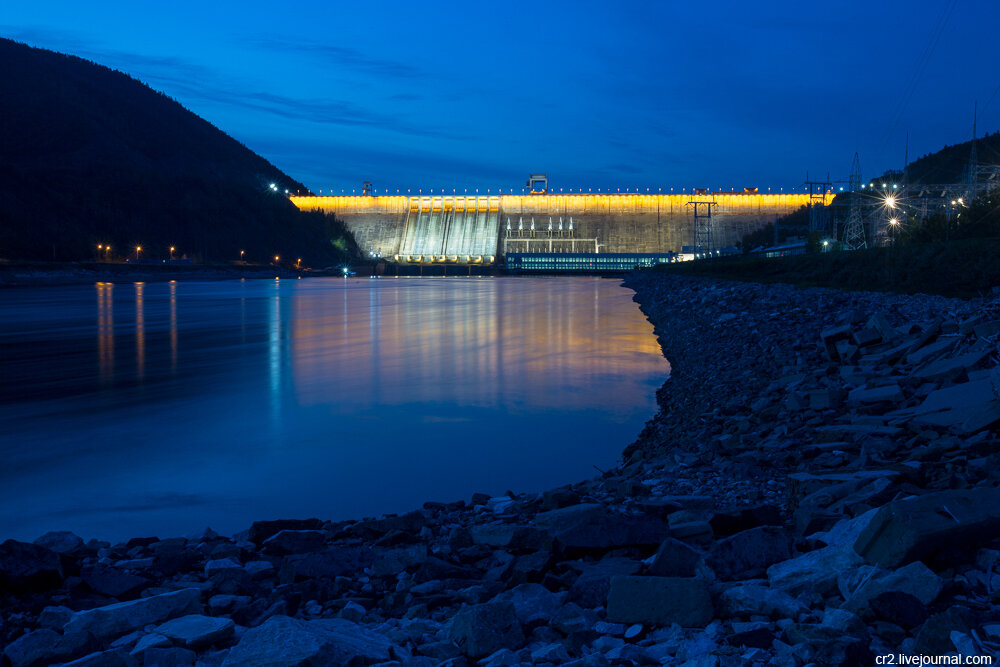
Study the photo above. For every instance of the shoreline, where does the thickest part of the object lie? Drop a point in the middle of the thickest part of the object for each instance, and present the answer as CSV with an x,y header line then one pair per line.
x,y
42,274
792,419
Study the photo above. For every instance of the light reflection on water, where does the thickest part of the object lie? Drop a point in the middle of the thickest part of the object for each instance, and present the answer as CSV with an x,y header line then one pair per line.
x,y
161,408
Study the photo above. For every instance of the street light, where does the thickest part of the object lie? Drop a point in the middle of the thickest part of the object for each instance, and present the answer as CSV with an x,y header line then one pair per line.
x,y
138,249
241,254
172,253
276,258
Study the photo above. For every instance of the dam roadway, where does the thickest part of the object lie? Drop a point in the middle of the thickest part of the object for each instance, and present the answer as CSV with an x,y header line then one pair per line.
x,y
482,229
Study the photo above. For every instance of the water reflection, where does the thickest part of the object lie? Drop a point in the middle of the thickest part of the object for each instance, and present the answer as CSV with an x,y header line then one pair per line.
x,y
328,397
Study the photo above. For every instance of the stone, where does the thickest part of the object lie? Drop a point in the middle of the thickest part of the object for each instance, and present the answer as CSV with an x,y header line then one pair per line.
x,y
554,653
659,601
899,608
756,600
149,641
481,629
62,542
860,585
411,522
590,528
731,521
112,658
46,647
509,536
749,552
814,571
831,336
916,528
533,603
262,568
294,542
112,582
934,636
331,563
197,631
864,395
286,642
674,559
262,530
169,657
591,588
115,620
219,564
951,366
55,618
393,561
28,567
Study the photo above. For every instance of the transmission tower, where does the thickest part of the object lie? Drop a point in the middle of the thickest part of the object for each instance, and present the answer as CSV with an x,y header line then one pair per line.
x,y
854,230
702,233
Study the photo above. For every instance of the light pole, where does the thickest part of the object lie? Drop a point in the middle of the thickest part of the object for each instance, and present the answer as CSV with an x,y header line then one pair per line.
x,y
171,253
241,255
138,249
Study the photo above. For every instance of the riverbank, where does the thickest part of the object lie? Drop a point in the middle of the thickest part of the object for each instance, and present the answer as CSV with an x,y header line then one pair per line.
x,y
819,486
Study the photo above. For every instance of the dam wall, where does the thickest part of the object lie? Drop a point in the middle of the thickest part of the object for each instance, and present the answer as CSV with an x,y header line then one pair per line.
x,y
456,228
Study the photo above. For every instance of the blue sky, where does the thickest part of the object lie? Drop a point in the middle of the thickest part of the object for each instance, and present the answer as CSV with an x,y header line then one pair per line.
x,y
456,95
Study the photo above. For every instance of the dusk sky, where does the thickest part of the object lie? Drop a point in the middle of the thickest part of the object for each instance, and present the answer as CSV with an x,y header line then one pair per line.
x,y
598,95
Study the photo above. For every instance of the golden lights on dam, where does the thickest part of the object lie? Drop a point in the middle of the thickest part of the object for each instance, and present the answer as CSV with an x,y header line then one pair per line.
x,y
577,204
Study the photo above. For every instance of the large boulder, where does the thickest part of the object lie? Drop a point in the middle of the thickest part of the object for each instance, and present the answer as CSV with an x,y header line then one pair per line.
x,y
62,541
117,619
591,528
46,647
112,582
28,567
481,629
262,530
196,631
287,642
749,552
917,528
660,601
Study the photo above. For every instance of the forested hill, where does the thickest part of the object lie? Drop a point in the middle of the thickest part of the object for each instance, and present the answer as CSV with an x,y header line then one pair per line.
x,y
949,164
89,155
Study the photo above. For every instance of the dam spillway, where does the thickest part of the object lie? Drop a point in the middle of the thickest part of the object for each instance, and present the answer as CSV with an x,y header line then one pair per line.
x,y
482,229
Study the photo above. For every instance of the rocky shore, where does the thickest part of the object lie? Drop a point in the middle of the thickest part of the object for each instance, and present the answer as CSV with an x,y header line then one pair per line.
x,y
819,488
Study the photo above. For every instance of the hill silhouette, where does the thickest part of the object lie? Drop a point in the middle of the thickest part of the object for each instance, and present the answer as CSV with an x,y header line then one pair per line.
x,y
89,155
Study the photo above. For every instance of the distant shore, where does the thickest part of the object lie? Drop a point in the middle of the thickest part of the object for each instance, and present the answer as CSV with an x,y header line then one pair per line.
x,y
23,274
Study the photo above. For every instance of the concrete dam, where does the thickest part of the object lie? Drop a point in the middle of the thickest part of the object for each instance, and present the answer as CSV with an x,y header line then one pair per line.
x,y
483,229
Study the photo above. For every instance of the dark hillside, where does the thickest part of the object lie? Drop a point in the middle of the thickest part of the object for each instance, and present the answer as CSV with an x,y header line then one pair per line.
x,y
89,155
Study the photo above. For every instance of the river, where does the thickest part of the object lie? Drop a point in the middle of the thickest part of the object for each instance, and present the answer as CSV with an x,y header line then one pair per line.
x,y
135,409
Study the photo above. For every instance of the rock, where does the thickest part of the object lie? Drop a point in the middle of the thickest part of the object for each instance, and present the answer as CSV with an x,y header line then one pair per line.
x,y
952,366
410,522
62,542
352,611
815,571
864,395
28,567
286,642
169,657
749,552
934,636
331,563
197,631
149,641
509,536
392,561
295,542
219,564
112,658
659,601
860,585
591,588
45,647
916,528
54,618
754,599
899,608
731,521
760,635
117,619
262,530
112,582
262,568
590,528
533,603
554,653
481,629
674,559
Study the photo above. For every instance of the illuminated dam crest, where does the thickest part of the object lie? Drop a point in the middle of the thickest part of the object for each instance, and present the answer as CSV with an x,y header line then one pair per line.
x,y
483,229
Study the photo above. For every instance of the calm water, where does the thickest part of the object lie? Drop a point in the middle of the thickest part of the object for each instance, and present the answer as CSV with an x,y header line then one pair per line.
x,y
162,408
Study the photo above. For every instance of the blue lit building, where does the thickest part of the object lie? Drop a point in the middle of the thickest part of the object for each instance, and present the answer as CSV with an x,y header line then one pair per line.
x,y
583,262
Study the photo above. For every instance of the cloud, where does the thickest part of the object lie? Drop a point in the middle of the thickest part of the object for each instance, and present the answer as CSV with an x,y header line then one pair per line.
x,y
339,56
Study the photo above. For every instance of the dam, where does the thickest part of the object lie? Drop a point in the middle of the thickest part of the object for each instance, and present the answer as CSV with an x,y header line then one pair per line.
x,y
484,229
